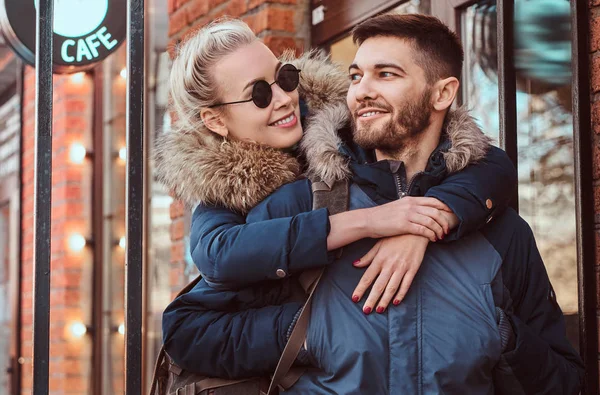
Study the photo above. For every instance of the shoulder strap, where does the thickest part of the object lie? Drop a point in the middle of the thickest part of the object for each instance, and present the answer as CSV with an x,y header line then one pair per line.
x,y
162,353
335,199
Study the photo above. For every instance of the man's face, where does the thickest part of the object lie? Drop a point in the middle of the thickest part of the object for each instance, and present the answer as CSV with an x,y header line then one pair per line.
x,y
389,97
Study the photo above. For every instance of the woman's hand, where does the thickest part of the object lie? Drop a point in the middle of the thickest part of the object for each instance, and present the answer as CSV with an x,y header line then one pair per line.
x,y
422,216
394,262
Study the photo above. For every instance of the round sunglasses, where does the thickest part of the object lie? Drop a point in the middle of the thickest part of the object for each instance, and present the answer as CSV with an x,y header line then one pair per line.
x,y
288,78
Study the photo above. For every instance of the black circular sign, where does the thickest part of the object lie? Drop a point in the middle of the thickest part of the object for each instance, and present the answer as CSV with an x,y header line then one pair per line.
x,y
85,31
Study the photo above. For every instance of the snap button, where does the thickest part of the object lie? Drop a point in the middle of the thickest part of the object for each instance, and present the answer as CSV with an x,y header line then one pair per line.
x,y
488,204
281,273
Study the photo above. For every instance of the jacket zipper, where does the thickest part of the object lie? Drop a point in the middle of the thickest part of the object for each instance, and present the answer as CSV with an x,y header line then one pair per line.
x,y
402,192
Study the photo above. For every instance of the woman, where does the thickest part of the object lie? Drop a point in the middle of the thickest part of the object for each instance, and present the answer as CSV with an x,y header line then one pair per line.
x,y
238,120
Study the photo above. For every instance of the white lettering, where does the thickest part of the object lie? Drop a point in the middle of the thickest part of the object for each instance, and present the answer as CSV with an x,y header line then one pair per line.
x,y
64,51
82,50
104,38
93,44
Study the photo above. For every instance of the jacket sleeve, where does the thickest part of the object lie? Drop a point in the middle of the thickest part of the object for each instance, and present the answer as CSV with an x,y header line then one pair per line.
x,y
479,192
279,237
542,361
228,334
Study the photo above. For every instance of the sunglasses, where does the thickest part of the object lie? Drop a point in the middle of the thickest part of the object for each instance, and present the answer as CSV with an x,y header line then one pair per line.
x,y
288,78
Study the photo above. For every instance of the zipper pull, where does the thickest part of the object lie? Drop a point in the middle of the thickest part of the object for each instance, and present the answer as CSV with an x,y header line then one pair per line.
x,y
402,194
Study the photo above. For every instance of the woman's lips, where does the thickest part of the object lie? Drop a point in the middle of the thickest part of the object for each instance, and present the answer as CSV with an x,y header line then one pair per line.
x,y
287,122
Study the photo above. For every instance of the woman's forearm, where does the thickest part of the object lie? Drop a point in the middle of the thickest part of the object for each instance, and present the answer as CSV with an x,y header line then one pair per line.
x,y
346,228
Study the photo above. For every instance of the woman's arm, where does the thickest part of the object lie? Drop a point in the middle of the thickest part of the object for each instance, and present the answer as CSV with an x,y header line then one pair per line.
x,y
229,334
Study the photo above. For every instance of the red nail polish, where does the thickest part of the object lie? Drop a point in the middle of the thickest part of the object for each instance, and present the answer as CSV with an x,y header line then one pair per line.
x,y
380,309
355,298
396,302
356,262
367,310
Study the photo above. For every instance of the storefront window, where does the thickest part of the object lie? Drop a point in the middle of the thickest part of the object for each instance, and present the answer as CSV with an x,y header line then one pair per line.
x,y
545,126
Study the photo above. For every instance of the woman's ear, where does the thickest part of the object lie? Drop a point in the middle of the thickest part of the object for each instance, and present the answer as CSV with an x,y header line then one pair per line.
x,y
213,121
445,92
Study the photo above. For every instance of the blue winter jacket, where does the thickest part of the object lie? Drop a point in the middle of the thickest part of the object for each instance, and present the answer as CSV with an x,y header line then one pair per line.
x,y
443,338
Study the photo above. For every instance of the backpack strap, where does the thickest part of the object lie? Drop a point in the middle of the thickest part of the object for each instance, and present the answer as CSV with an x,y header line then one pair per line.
x,y
162,353
335,199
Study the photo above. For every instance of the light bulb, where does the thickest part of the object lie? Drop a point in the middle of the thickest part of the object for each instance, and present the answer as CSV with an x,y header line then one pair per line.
x,y
77,242
78,329
123,73
123,154
78,78
77,153
122,242
121,329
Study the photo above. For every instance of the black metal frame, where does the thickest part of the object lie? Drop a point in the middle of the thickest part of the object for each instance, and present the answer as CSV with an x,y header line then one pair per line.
x,y
43,195
135,197
584,205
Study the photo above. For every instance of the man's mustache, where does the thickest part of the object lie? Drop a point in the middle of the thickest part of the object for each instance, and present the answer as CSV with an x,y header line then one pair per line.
x,y
374,105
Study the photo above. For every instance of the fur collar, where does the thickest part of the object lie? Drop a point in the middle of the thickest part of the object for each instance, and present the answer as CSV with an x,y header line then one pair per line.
x,y
200,167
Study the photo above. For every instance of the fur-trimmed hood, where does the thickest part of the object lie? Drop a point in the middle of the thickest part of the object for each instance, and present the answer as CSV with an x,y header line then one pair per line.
x,y
201,167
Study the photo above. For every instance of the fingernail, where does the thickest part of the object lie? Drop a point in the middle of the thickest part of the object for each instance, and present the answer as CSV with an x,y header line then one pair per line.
x,y
355,298
367,310
356,262
396,302
380,309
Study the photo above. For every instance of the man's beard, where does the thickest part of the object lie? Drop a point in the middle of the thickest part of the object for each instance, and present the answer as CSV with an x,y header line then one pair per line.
x,y
399,134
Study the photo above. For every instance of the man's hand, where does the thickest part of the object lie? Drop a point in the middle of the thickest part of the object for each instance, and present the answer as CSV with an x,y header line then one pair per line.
x,y
394,263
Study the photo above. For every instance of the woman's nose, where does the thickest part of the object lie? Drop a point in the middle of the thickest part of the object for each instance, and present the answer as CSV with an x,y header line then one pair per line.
x,y
281,98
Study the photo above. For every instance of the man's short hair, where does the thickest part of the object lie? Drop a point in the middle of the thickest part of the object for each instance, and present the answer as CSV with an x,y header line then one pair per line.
x,y
438,50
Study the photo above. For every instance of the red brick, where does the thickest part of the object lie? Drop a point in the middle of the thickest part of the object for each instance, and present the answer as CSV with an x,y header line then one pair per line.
x,y
256,3
177,21
181,3
171,6
596,116
272,18
195,9
595,69
177,252
597,201
279,44
596,163
236,8
177,209
177,230
595,32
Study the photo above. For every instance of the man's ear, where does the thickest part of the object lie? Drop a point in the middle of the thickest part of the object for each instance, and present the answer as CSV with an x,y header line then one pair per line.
x,y
444,93
213,121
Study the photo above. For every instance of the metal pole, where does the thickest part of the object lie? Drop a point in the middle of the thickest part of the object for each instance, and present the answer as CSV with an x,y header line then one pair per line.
x,y
507,89
43,193
135,195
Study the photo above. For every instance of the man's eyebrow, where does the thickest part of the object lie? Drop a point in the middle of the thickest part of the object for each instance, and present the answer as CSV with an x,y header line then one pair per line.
x,y
353,66
249,84
389,65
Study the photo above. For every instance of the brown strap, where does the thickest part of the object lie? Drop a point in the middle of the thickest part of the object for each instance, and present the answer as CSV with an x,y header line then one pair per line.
x,y
294,344
291,377
207,384
159,360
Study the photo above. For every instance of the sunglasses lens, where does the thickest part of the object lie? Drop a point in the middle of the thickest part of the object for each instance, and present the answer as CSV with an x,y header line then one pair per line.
x,y
288,77
262,94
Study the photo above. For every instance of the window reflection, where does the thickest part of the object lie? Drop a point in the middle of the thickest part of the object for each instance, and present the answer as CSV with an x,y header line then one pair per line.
x,y
544,125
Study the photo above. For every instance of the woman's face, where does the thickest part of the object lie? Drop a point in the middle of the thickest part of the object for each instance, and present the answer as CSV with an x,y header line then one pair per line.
x,y
277,125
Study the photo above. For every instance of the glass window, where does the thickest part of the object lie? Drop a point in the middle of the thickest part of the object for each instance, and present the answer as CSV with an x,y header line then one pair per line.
x,y
544,126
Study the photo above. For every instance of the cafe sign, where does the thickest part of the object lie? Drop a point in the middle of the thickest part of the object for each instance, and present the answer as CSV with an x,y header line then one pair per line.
x,y
85,31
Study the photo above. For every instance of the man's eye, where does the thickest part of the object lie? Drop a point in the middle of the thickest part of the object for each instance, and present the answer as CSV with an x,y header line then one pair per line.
x,y
354,77
386,74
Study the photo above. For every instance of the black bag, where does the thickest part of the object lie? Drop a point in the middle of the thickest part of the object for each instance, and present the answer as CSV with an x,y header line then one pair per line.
x,y
170,379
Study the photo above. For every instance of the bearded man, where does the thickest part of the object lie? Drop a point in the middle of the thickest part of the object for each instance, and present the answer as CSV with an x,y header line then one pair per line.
x,y
480,317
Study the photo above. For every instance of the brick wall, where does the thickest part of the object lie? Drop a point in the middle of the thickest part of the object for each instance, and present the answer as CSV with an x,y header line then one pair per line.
x,y
71,196
281,24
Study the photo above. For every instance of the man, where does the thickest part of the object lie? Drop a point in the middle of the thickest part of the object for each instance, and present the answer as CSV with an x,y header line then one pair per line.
x,y
480,316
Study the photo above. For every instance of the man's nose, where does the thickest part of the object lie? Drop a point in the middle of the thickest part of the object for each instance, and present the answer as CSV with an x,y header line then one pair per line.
x,y
365,90
281,98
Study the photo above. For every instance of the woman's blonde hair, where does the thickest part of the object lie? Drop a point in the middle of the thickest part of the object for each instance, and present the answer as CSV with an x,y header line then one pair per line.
x,y
192,86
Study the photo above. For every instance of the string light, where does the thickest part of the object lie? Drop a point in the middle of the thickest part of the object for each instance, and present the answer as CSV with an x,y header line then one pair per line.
x,y
77,153
123,73
78,78
121,329
122,242
77,242
78,329
123,154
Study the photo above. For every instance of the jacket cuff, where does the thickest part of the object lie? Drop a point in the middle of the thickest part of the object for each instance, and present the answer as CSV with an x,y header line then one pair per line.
x,y
507,332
